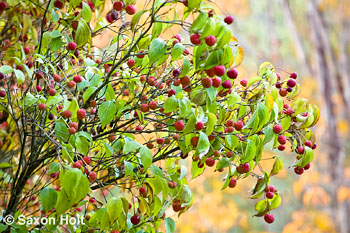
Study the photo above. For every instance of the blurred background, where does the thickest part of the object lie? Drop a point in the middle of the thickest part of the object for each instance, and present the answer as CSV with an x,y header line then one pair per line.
x,y
311,38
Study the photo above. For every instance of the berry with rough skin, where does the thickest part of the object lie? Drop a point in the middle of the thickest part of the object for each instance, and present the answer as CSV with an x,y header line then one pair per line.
x,y
232,183
293,75
277,129
210,72
244,82
171,92
298,170
144,108
42,106
71,46
176,72
72,130
179,125
228,19
153,105
269,218
109,18
281,147
269,195
199,125
210,40
283,92
172,184
195,39
210,162
233,73
207,82
142,190
227,84
38,88
66,114
307,167
238,125
26,50
185,80
160,141
291,83
135,219
52,92
246,167
87,159
77,79
216,82
229,123
230,129
130,10
92,176
81,113
270,188
219,70
130,63
118,6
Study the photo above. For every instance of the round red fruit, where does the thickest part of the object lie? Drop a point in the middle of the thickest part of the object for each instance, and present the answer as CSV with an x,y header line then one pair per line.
x,y
232,183
277,129
219,70
233,73
199,125
131,9
81,113
195,39
228,19
71,46
269,218
179,125
210,40
118,6
207,82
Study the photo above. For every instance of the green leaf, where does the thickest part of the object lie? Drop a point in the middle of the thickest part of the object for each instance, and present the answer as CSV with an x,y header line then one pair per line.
x,y
131,146
74,3
106,112
114,208
48,198
88,93
185,68
136,18
86,12
260,206
277,166
61,130
5,69
249,153
231,141
169,225
82,145
129,170
52,100
275,202
13,2
29,100
196,171
110,94
157,49
211,122
54,167
20,76
146,157
307,157
268,132
223,162
185,107
200,21
170,104
82,34
285,122
224,38
203,143
209,28
177,51
215,58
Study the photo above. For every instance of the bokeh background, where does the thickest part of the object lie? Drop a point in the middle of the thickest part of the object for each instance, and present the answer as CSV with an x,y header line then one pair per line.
x,y
312,38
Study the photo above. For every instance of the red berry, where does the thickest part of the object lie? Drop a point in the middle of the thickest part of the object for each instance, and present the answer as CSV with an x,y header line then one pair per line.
x,y
307,167
71,46
228,19
195,39
210,40
160,140
219,70
232,183
171,92
308,144
282,139
135,219
3,5
293,75
298,170
92,176
301,150
58,4
138,128
57,78
66,114
72,130
142,190
216,82
179,125
87,159
194,141
269,218
207,82
144,108
176,72
153,105
244,82
71,84
291,83
283,92
277,129
52,92
269,195
131,63
238,125
199,125
118,6
314,146
210,162
2,76
227,84
246,167
77,79
26,50
38,88
281,147
185,80
131,9
81,114
233,73
230,129
270,188
42,106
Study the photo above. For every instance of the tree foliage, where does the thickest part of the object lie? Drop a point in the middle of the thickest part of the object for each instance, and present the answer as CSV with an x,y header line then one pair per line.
x,y
102,132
